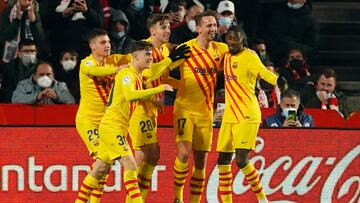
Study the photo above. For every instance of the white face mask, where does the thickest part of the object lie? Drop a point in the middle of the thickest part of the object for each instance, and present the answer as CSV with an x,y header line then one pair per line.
x,y
285,111
28,59
225,21
192,25
44,81
295,6
68,65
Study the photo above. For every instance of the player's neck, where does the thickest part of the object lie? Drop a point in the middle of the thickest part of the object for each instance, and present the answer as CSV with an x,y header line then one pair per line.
x,y
156,43
202,42
137,68
100,60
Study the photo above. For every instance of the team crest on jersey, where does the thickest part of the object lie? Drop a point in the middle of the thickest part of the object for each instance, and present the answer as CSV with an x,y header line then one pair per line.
x,y
235,65
88,63
126,80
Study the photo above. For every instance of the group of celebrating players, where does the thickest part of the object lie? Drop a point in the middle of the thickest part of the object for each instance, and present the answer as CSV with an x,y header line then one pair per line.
x,y
122,94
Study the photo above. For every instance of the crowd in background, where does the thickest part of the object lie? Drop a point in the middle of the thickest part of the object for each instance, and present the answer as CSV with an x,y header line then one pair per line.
x,y
284,35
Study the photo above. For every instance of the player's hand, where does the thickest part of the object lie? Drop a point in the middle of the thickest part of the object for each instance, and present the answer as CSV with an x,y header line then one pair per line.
x,y
180,52
168,87
159,104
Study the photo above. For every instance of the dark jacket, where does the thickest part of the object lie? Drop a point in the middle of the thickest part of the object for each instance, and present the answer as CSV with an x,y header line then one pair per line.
x,y
277,120
290,28
310,99
182,34
14,72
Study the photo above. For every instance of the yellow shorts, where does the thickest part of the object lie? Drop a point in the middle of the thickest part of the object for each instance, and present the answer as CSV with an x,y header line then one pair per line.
x,y
89,133
142,130
193,128
237,136
113,144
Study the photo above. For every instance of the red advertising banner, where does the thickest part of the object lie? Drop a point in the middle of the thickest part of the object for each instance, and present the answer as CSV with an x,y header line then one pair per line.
x,y
306,165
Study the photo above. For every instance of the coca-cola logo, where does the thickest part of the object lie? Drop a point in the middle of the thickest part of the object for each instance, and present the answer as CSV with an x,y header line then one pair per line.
x,y
301,177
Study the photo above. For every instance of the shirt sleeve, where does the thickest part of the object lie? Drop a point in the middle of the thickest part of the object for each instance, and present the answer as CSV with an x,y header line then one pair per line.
x,y
260,69
129,91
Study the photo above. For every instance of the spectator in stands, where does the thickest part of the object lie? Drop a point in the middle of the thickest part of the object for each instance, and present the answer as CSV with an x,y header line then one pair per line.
x,y
296,70
177,11
74,20
323,94
226,17
137,13
292,25
20,21
290,102
19,69
187,30
67,70
121,43
259,46
42,88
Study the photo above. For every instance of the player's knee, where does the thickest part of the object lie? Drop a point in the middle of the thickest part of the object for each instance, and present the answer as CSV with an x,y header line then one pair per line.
x,y
183,156
224,158
153,158
241,162
101,171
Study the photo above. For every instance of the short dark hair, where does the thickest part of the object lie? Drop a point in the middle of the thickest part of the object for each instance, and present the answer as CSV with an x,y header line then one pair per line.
x,y
26,42
198,18
238,29
96,33
290,93
155,18
141,45
328,73
40,62
68,50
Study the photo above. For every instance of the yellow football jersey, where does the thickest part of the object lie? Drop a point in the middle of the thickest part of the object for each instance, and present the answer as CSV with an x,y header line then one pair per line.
x,y
241,71
127,90
95,85
147,107
198,77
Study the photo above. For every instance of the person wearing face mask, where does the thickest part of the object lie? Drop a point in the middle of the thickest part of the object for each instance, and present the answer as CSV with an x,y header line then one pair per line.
x,y
292,25
186,31
18,69
290,113
121,43
226,18
296,70
137,13
259,46
42,88
67,70
323,95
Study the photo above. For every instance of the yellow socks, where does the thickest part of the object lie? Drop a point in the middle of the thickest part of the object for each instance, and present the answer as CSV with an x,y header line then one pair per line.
x,y
180,174
252,177
197,185
225,183
132,187
86,188
99,190
144,178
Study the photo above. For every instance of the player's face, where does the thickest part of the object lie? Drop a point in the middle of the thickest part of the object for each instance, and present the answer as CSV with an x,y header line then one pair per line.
x,y
100,46
234,41
207,28
144,58
161,31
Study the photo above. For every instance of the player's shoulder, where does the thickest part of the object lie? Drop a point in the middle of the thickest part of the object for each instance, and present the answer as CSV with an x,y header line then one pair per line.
x,y
190,42
88,61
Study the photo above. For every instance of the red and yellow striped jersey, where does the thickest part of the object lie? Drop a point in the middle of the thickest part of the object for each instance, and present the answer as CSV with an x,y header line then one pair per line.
x,y
241,71
125,93
198,77
147,107
95,85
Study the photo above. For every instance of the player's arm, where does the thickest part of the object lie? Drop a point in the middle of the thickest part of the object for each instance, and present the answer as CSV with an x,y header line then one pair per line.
x,y
89,67
131,94
261,70
167,79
